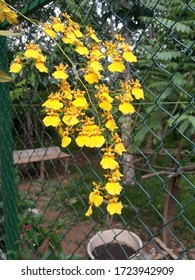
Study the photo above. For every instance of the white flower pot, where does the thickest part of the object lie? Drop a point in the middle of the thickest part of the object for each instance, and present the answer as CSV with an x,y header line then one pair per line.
x,y
123,237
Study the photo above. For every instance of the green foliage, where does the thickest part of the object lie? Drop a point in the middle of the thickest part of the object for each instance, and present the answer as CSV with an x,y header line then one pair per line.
x,y
179,27
185,123
167,55
167,51
33,234
138,138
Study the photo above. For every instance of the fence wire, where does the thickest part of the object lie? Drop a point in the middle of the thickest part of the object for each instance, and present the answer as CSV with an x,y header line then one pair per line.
x,y
159,190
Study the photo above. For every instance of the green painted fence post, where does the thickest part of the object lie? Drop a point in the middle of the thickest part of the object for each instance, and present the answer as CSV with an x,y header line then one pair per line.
x,y
6,162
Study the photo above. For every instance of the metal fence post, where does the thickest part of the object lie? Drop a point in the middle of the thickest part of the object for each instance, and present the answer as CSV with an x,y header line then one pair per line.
x,y
6,162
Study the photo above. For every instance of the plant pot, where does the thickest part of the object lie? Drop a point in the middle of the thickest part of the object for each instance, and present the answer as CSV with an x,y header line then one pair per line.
x,y
121,240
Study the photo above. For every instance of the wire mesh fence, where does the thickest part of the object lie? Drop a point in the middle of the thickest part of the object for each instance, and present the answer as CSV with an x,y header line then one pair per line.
x,y
44,188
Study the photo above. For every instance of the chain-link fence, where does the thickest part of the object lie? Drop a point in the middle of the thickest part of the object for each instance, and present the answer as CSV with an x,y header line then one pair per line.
x,y
44,188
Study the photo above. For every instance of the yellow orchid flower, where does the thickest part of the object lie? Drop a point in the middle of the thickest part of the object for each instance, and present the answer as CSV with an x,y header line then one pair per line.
x,y
117,65
7,14
119,148
108,161
105,105
16,66
89,211
137,91
83,140
60,72
95,198
95,65
53,104
65,141
96,141
81,49
51,120
126,108
57,25
114,207
70,119
111,124
47,28
91,33
64,86
91,77
33,51
113,187
41,67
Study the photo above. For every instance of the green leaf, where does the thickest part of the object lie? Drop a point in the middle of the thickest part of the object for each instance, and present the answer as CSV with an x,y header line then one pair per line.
x,y
176,26
149,109
178,79
192,120
4,78
183,121
180,27
140,136
9,33
167,92
168,55
184,126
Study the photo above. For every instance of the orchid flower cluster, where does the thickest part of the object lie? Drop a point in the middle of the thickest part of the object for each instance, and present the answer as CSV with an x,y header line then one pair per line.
x,y
7,14
85,110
